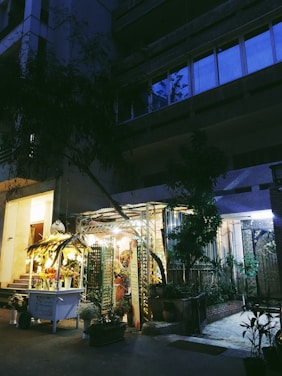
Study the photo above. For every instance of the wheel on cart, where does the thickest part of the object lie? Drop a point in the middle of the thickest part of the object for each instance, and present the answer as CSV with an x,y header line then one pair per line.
x,y
24,320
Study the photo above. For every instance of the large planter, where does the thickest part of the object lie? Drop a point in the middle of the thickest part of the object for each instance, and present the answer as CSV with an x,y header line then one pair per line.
x,y
189,312
219,311
271,357
278,343
169,312
106,333
254,367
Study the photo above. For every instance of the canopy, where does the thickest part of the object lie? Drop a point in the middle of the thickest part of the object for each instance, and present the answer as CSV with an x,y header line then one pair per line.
x,y
54,245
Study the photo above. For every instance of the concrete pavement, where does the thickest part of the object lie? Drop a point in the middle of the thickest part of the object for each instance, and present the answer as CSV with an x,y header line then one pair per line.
x,y
37,351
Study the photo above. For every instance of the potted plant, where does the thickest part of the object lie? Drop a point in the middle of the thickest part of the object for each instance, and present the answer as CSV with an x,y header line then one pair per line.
x,y
172,291
19,303
107,329
257,327
152,290
278,345
270,352
87,312
123,307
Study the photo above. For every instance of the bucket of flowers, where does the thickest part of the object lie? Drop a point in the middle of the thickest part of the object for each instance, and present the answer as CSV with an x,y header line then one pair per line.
x,y
69,274
49,277
19,303
87,311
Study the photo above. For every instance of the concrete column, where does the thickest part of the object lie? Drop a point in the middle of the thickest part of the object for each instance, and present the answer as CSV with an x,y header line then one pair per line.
x,y
276,204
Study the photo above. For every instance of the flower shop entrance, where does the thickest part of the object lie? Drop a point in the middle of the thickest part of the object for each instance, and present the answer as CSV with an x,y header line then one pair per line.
x,y
119,263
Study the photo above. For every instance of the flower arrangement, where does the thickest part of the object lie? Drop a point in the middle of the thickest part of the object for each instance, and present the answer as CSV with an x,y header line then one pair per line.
x,y
69,272
125,258
48,274
88,311
71,269
122,306
18,302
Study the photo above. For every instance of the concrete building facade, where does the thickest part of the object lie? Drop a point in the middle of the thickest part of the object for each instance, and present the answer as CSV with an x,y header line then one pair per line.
x,y
179,67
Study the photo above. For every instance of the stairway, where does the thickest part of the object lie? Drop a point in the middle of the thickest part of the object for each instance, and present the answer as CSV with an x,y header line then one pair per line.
x,y
19,284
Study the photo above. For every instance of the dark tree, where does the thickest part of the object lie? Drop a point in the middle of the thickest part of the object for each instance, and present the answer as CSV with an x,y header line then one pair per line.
x,y
52,113
192,180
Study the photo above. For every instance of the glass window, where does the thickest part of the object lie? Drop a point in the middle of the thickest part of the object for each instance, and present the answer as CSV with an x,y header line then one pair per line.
x,y
124,107
160,93
204,74
277,31
179,84
259,52
229,63
140,100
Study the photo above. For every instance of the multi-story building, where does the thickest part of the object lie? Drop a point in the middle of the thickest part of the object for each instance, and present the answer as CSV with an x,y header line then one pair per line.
x,y
186,66
29,206
181,66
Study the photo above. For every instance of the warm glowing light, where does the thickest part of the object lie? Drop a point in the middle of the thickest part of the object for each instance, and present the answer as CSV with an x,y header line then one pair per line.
x,y
48,263
71,255
37,211
90,239
263,214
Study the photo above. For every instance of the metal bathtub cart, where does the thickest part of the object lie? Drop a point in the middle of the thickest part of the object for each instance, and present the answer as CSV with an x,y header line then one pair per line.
x,y
59,303
54,305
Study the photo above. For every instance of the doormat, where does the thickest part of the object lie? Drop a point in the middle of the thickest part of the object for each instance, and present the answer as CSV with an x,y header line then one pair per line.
x,y
198,347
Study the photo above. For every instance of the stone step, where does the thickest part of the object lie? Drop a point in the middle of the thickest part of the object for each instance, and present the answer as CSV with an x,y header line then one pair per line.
x,y
18,285
153,328
21,280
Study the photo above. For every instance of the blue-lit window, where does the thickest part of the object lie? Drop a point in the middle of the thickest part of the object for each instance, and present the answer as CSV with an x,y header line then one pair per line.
x,y
204,74
179,84
277,32
259,52
160,93
229,63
